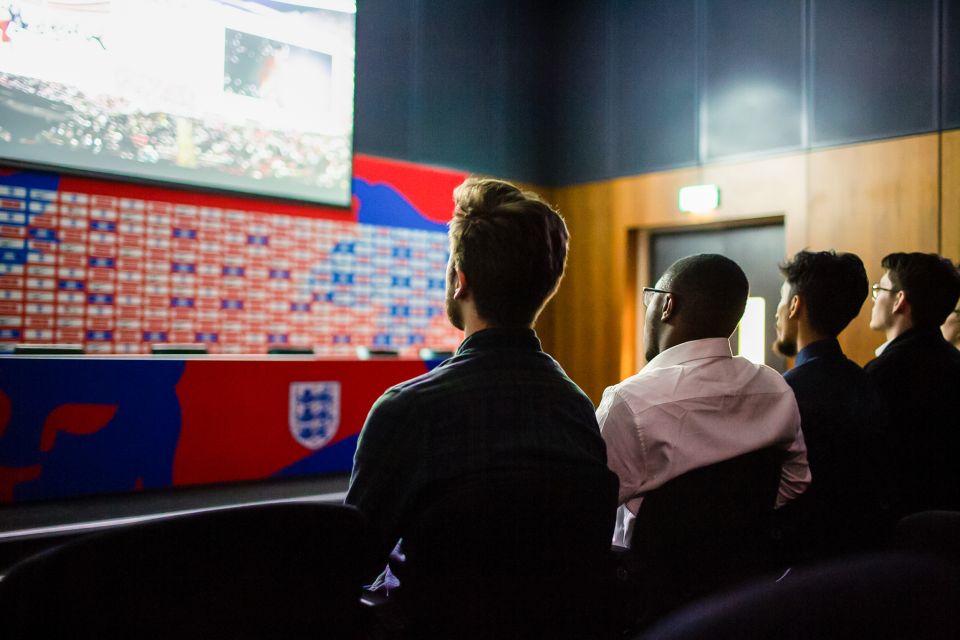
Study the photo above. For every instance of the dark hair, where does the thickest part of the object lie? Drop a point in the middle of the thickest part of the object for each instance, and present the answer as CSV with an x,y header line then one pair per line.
x,y
511,245
833,287
710,293
930,282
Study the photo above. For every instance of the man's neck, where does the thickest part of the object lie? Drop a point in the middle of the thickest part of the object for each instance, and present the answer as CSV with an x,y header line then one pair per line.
x,y
807,336
472,325
898,328
672,336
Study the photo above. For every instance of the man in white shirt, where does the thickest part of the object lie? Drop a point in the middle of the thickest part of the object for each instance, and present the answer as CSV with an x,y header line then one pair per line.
x,y
694,403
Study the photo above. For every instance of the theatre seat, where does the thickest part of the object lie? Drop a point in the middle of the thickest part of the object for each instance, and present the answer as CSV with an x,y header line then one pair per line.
x,y
511,553
882,597
932,532
274,571
700,532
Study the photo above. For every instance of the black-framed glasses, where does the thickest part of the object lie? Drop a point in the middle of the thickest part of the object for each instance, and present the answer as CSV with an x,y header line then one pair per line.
x,y
648,290
876,289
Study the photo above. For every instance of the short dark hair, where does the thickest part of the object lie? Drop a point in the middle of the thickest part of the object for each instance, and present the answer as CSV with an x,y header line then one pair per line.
x,y
833,287
710,293
931,283
511,245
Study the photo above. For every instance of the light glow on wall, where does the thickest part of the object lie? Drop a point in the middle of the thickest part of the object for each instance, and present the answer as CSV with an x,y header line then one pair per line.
x,y
751,340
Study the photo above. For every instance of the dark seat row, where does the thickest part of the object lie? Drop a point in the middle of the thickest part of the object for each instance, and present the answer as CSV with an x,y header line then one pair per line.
x,y
272,571
507,555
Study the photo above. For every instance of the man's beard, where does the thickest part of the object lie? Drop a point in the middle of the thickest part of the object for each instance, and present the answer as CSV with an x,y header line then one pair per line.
x,y
651,338
786,347
651,352
454,314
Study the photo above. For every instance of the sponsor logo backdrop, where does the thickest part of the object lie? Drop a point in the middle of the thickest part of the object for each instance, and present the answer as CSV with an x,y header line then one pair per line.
x,y
116,267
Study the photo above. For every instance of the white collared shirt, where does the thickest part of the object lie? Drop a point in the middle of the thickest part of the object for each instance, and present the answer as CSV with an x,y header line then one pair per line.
x,y
693,405
881,348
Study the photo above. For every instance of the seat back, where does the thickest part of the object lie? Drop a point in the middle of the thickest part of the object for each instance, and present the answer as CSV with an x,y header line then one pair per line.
x,y
277,571
932,532
883,597
705,529
511,553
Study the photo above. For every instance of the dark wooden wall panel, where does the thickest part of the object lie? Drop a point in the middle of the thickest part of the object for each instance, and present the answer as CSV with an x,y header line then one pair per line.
x,y
655,85
950,29
753,76
874,73
457,83
528,113
871,198
584,75
385,68
566,92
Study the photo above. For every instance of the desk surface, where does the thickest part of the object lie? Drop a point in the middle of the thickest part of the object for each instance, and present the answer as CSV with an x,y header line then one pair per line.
x,y
55,517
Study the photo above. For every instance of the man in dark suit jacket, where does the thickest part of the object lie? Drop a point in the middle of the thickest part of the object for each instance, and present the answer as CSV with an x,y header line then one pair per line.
x,y
843,421
918,374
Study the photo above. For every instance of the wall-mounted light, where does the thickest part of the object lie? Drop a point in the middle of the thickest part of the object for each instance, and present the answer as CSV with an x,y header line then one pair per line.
x,y
701,198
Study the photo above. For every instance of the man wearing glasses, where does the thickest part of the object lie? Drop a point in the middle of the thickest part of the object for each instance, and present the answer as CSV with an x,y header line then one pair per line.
x,y
918,374
694,403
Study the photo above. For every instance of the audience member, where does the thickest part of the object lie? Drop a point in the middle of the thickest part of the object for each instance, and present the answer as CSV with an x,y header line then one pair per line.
x,y
951,328
844,423
918,374
500,402
694,403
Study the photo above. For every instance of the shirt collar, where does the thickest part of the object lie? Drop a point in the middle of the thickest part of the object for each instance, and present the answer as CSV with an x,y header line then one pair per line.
x,y
881,348
501,338
819,349
691,350
915,335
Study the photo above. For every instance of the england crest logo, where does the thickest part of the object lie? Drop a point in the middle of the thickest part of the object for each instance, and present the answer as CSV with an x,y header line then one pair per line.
x,y
314,412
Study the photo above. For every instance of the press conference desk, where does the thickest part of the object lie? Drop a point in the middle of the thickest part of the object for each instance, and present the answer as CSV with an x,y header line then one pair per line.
x,y
91,441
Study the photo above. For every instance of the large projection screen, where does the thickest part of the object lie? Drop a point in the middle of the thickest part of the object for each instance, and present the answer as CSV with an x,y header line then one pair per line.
x,y
254,96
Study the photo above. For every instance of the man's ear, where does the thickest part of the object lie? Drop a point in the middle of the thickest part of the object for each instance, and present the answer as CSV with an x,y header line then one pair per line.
x,y
901,304
669,308
460,289
795,305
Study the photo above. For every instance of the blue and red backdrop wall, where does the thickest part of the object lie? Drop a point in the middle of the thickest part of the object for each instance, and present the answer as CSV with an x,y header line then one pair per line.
x,y
240,276
117,267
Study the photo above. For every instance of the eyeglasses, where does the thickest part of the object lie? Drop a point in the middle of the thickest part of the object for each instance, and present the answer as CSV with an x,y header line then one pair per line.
x,y
648,290
876,289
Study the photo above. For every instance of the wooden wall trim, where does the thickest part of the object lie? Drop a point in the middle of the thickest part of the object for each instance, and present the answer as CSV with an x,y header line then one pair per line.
x,y
870,198
873,199
950,195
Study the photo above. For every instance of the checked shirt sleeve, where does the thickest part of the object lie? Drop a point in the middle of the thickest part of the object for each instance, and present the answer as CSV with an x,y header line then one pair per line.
x,y
384,469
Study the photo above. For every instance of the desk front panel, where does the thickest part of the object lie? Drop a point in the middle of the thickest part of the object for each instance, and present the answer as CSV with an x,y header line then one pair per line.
x,y
74,426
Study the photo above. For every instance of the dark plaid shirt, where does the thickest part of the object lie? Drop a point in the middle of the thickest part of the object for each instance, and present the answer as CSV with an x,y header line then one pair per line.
x,y
499,402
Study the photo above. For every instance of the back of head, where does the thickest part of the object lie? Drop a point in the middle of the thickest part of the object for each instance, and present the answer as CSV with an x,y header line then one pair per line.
x,y
710,293
930,282
832,286
511,245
